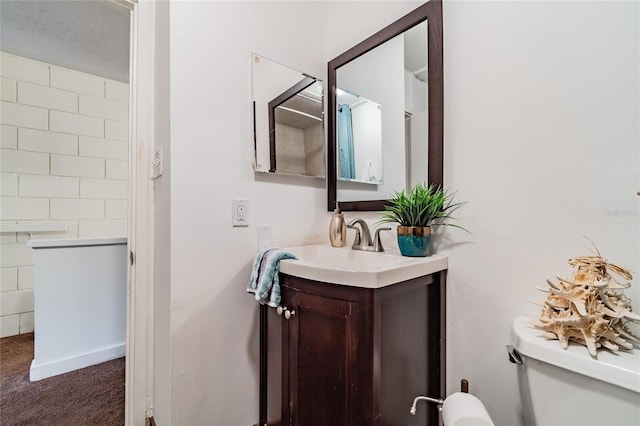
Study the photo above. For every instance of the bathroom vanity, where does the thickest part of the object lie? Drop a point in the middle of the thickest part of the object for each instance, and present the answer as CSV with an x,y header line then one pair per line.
x,y
356,346
361,334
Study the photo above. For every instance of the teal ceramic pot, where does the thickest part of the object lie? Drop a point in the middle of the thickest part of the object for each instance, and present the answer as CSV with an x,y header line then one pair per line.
x,y
414,241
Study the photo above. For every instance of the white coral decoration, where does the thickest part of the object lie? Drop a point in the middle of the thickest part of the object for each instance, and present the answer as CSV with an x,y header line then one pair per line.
x,y
590,308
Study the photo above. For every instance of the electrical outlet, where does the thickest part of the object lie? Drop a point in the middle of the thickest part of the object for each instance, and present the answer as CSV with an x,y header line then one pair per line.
x,y
240,213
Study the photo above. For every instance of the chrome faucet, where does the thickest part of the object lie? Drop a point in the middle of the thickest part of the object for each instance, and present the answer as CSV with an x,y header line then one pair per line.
x,y
363,239
366,235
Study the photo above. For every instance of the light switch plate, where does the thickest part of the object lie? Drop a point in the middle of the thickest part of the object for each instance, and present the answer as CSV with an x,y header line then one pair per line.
x,y
157,164
264,236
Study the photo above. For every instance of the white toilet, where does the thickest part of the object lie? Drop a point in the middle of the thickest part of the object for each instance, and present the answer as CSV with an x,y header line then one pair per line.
x,y
569,387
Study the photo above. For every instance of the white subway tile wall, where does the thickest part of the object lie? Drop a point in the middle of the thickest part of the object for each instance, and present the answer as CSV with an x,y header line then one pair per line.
x,y
10,325
117,91
63,158
12,160
45,141
66,122
9,184
116,209
65,165
25,277
116,130
15,114
24,69
8,279
48,186
103,108
77,209
117,169
15,255
26,322
16,302
8,89
98,228
103,148
24,208
47,97
74,81
103,189
8,137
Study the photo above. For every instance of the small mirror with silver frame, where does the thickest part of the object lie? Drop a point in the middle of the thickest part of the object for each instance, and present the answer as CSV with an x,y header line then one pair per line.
x,y
288,120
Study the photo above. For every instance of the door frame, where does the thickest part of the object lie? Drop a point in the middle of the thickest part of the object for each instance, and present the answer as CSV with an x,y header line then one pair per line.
x,y
141,216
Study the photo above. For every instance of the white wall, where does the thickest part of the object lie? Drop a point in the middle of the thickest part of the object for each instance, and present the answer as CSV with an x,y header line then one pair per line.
x,y
542,139
213,321
214,335
541,126
64,159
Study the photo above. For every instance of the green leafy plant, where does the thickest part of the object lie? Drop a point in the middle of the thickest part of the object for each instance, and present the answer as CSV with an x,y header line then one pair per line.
x,y
420,207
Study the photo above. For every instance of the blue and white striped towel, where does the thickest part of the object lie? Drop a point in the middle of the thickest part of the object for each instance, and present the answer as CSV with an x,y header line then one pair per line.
x,y
264,281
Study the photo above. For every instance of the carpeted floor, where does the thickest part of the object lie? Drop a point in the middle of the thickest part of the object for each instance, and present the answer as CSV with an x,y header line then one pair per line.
x,y
90,396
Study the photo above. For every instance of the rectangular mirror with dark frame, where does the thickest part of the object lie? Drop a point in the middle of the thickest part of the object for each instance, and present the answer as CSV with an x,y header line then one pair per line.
x,y
399,69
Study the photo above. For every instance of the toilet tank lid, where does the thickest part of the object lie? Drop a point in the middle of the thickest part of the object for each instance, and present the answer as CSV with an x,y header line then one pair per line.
x,y
621,368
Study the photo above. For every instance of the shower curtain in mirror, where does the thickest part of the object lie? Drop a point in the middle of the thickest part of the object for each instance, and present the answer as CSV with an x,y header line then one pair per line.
x,y
346,161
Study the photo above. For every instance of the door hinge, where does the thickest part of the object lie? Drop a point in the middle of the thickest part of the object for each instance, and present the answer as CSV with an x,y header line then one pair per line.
x,y
131,257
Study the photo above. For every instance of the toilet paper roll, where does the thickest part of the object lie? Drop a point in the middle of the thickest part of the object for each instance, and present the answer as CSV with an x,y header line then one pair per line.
x,y
464,409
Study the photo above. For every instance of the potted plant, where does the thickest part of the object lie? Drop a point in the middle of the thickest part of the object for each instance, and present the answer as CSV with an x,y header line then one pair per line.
x,y
415,212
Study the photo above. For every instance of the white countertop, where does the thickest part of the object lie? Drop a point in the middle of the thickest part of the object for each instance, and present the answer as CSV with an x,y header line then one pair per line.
x,y
358,268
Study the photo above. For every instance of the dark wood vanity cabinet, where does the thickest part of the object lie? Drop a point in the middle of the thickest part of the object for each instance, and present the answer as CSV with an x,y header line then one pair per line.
x,y
320,354
354,356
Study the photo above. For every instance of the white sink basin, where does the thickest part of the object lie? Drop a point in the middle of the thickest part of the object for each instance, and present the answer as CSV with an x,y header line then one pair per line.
x,y
358,268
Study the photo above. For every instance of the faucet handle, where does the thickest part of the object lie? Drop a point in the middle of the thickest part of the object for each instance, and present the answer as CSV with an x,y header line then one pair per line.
x,y
377,242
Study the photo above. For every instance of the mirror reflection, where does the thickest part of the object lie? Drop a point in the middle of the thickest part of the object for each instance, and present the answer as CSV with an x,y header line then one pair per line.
x,y
288,120
296,133
388,149
359,123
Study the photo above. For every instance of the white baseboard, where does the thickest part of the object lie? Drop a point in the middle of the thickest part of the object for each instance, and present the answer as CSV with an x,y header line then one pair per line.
x,y
53,368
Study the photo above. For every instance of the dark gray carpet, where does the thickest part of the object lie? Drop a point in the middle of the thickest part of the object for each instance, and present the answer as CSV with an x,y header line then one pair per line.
x,y
90,396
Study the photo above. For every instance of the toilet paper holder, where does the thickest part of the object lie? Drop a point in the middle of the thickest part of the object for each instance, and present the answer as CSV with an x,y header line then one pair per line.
x,y
464,387
425,398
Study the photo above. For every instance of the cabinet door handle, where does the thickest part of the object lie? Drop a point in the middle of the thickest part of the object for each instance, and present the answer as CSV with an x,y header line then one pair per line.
x,y
284,310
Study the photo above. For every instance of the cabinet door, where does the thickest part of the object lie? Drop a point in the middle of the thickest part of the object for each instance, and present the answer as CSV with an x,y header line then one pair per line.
x,y
319,359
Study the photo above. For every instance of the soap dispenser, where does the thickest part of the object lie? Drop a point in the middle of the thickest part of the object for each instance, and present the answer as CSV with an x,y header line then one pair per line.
x,y
337,229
